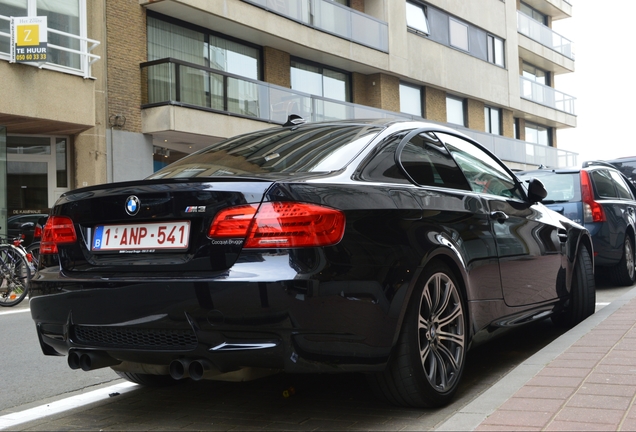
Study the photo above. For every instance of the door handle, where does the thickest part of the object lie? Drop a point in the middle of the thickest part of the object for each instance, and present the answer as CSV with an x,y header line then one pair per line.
x,y
562,235
499,216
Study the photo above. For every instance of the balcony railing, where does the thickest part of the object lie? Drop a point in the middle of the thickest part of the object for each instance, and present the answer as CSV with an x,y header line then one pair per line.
x,y
544,35
334,18
546,95
174,82
67,52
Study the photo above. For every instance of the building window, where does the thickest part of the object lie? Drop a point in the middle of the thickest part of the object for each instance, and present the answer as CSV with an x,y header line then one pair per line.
x,y
535,74
411,99
493,120
456,110
496,50
320,81
538,134
458,34
416,18
64,21
168,39
534,14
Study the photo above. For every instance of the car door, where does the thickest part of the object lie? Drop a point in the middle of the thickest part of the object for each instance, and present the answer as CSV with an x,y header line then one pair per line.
x,y
617,202
528,239
449,212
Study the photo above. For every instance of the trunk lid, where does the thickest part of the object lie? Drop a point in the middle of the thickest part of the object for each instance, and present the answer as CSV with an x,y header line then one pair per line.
x,y
153,225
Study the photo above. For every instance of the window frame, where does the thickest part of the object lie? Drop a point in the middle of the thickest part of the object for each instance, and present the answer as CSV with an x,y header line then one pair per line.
x,y
322,67
492,56
488,110
536,126
419,89
422,8
464,25
464,109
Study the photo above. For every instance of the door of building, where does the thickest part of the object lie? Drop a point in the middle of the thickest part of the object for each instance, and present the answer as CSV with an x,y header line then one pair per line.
x,y
36,173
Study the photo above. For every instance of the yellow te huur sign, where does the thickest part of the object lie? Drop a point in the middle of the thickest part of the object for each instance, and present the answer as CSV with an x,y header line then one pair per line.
x,y
29,39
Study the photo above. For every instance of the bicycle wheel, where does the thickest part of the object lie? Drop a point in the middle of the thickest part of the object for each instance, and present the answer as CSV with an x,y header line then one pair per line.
x,y
14,276
34,250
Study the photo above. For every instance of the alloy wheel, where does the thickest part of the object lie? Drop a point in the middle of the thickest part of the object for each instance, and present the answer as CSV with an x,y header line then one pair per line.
x,y
441,332
629,259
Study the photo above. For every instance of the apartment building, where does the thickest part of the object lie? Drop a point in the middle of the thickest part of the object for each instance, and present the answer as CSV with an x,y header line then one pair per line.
x,y
131,85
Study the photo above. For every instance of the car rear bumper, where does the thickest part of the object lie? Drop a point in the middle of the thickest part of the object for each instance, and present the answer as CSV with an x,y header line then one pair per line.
x,y
295,325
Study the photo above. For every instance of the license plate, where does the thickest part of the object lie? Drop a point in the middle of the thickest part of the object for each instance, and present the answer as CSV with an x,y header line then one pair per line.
x,y
146,237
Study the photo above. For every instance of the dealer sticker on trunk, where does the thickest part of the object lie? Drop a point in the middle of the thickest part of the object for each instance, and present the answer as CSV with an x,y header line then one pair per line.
x,y
141,237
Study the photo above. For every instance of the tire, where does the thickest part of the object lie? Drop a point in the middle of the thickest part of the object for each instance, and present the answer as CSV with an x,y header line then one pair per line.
x,y
429,358
624,273
582,301
15,276
148,379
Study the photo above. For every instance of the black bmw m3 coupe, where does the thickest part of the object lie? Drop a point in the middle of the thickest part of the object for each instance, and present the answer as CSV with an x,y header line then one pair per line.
x,y
385,247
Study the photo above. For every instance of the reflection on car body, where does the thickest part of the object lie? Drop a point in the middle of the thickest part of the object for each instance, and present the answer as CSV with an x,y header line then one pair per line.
x,y
371,246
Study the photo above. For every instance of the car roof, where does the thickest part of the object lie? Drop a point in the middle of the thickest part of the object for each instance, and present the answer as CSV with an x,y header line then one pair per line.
x,y
586,166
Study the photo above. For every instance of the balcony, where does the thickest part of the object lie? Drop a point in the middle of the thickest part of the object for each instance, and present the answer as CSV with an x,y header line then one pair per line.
x,y
171,82
544,35
333,18
69,53
547,96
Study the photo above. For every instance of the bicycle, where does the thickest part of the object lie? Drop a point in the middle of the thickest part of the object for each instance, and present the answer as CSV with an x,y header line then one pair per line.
x,y
15,272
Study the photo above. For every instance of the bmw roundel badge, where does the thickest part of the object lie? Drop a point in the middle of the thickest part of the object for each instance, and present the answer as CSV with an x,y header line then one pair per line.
x,y
132,205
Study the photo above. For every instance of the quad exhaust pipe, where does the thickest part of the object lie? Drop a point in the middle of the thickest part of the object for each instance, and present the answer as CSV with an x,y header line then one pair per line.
x,y
90,360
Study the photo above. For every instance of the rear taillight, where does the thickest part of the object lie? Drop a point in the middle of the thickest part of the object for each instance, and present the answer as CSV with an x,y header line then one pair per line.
x,y
280,225
58,230
592,211
37,232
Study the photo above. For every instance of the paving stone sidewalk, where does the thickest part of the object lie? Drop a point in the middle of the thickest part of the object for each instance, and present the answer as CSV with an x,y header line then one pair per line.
x,y
584,380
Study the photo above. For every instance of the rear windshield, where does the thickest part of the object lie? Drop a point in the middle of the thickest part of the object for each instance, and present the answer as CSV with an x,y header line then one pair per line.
x,y
562,187
320,148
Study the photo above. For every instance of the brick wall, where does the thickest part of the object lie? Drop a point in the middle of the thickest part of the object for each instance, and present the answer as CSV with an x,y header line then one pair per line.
x,y
126,49
276,67
435,104
476,118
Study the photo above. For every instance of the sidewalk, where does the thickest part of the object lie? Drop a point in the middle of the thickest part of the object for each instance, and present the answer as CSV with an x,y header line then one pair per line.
x,y
584,380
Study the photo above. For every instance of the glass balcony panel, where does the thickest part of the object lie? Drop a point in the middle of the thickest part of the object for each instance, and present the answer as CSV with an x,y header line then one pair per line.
x,y
161,83
295,9
268,102
217,92
546,95
366,31
544,35
333,18
192,86
244,98
331,110
283,103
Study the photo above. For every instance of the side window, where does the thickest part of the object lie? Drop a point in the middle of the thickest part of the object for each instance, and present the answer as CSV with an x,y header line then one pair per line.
x,y
621,186
382,167
484,173
428,163
603,184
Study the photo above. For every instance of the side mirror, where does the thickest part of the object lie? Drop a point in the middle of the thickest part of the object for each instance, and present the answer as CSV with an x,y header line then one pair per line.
x,y
536,190
27,226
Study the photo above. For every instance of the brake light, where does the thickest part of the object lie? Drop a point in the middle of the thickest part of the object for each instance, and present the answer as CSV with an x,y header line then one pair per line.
x,y
592,211
58,230
37,232
280,225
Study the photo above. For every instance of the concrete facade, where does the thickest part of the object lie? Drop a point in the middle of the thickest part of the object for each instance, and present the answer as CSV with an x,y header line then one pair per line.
x,y
112,133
